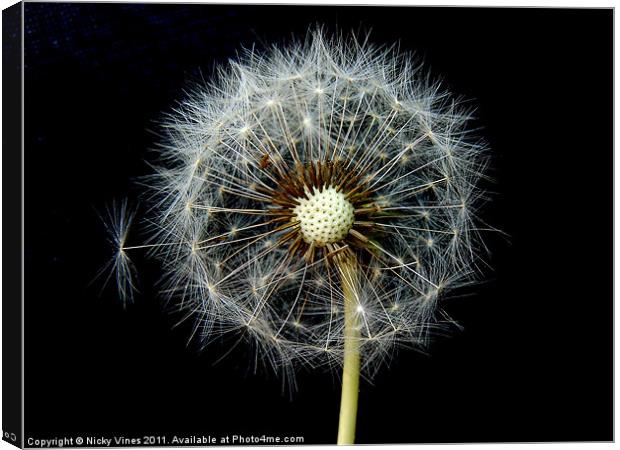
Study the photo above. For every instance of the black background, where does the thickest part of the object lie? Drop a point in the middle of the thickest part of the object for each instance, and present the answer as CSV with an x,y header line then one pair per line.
x,y
534,361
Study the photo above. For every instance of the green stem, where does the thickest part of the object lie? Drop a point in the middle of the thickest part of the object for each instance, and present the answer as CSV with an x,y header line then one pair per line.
x,y
351,368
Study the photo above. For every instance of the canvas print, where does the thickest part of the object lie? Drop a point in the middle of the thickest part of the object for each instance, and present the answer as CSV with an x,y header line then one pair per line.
x,y
304,224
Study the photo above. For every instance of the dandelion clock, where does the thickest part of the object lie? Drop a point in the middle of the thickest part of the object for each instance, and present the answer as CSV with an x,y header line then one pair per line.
x,y
319,199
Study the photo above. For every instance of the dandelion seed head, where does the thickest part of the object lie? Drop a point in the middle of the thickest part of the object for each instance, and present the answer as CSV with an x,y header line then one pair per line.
x,y
294,160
